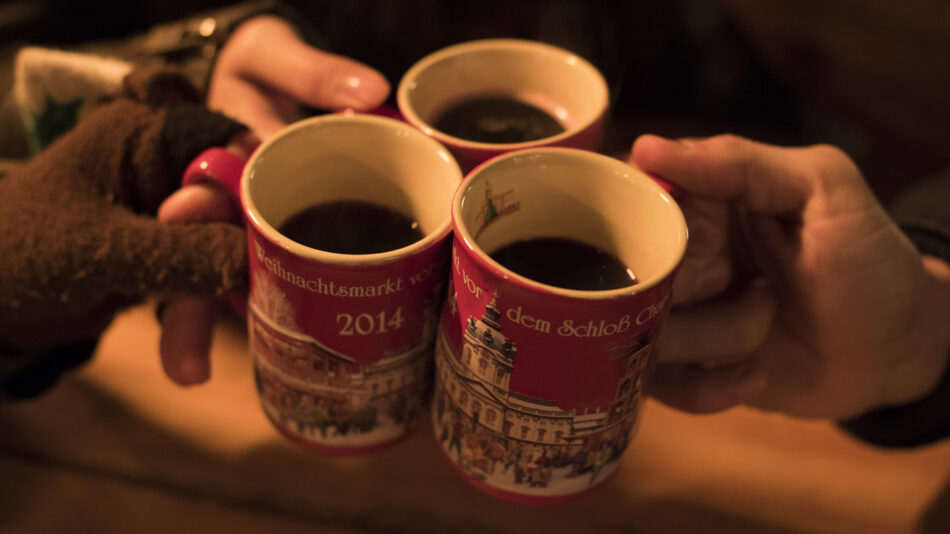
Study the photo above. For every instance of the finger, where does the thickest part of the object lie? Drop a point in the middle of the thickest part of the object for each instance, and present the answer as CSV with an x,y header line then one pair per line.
x,y
770,245
719,329
706,269
693,388
708,223
207,201
196,203
272,54
243,144
764,178
701,277
187,326
249,104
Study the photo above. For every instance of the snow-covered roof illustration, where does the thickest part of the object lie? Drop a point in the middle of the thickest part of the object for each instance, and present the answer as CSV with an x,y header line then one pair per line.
x,y
297,335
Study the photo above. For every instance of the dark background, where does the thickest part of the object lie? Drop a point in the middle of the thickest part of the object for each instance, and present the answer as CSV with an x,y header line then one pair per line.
x,y
870,76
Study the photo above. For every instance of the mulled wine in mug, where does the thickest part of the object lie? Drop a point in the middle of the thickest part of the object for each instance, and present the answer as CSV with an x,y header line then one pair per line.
x,y
484,98
348,220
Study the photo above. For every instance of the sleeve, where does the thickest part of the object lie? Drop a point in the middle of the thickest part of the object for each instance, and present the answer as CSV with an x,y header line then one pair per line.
x,y
190,45
924,215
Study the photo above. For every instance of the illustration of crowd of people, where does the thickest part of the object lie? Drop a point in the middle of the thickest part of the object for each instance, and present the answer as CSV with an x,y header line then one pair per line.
x,y
322,414
482,453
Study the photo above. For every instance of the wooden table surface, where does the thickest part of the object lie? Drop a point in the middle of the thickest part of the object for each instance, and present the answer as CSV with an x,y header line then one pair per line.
x,y
116,447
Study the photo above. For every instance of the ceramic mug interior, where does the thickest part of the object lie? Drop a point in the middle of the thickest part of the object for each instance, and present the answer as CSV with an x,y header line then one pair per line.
x,y
350,157
562,83
573,194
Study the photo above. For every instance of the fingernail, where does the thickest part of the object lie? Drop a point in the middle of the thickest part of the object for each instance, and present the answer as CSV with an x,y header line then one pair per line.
x,y
363,89
192,372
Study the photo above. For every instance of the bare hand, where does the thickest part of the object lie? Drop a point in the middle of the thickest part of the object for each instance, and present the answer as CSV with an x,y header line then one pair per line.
x,y
265,72
798,292
263,75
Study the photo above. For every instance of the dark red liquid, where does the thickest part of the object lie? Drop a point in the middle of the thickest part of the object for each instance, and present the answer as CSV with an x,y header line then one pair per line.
x,y
497,120
351,227
565,263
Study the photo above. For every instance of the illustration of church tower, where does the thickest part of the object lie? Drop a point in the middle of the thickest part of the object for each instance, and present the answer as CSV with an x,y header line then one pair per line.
x,y
490,210
487,353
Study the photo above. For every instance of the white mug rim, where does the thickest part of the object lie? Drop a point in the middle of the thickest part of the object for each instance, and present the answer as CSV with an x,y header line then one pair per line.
x,y
482,257
402,92
269,232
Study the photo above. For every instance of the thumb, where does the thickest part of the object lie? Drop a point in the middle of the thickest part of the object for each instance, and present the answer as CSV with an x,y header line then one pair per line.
x,y
148,257
763,178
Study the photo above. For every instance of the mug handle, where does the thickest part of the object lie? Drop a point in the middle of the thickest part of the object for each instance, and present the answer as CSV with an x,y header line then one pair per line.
x,y
219,167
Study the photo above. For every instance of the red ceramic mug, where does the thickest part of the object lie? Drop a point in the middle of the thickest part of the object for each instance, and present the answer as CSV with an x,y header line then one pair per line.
x,y
341,341
562,84
539,387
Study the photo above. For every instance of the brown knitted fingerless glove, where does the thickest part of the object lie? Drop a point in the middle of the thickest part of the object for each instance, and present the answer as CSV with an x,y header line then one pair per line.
x,y
78,237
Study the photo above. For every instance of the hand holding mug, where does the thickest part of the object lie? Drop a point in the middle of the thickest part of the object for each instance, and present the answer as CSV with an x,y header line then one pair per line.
x,y
262,76
188,322
341,322
562,269
84,242
798,292
265,72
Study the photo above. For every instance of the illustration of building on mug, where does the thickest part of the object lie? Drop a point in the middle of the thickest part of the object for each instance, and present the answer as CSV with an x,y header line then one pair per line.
x,y
504,438
321,395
